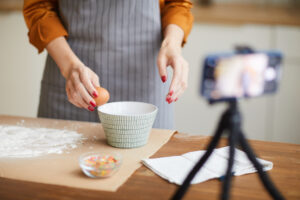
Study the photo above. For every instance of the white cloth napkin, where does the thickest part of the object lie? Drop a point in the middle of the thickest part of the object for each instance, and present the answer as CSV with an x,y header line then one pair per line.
x,y
176,168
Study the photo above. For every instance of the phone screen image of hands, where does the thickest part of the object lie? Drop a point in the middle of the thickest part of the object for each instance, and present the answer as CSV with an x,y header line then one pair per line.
x,y
241,75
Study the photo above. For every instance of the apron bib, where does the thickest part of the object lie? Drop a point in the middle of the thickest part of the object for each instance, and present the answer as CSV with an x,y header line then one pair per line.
x,y
119,40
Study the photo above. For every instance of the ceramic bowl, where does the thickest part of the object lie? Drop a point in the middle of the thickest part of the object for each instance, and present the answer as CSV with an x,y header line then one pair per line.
x,y
127,124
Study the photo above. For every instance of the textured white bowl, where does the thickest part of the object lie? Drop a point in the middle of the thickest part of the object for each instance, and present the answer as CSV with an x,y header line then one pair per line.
x,y
127,124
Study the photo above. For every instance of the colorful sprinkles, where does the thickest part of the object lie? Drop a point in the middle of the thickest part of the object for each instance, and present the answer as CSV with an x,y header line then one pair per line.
x,y
100,166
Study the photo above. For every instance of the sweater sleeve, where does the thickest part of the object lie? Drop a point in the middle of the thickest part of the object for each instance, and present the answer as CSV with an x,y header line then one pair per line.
x,y
43,22
177,12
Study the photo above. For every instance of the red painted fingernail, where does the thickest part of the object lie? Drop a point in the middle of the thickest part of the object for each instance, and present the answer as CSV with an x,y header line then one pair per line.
x,y
171,93
95,94
176,99
93,104
91,108
163,79
168,98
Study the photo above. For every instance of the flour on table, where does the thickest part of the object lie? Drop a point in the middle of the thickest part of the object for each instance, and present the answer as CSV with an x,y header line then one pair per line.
x,y
18,141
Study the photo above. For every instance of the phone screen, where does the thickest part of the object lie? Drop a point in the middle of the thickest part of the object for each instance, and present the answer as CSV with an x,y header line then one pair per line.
x,y
241,75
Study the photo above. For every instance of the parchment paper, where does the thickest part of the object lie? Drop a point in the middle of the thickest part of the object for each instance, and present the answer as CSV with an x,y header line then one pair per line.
x,y
63,169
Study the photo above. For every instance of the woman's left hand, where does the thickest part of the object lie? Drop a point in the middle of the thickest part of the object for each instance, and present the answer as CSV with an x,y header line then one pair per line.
x,y
170,55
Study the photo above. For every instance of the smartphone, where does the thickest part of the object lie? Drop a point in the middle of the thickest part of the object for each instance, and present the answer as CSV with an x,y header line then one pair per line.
x,y
231,76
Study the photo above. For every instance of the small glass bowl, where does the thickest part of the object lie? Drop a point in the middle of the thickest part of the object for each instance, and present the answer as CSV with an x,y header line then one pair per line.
x,y
100,164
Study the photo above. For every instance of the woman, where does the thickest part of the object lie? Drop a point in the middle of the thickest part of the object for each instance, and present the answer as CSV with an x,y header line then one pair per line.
x,y
115,42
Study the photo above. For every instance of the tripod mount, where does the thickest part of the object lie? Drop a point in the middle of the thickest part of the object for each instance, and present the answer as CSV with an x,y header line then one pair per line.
x,y
230,123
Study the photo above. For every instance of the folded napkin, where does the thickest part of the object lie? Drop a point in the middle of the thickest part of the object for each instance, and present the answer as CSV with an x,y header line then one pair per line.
x,y
176,168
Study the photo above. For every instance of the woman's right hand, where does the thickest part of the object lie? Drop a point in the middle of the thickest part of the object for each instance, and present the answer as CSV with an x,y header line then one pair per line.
x,y
80,80
80,86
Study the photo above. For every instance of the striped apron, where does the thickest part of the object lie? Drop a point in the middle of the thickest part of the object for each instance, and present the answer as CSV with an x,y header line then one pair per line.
x,y
119,40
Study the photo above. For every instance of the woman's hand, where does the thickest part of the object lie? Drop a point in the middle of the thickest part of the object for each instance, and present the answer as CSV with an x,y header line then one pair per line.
x,y
80,86
170,55
80,80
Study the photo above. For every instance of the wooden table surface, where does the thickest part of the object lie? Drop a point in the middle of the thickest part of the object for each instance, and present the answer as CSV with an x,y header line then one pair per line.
x,y
144,184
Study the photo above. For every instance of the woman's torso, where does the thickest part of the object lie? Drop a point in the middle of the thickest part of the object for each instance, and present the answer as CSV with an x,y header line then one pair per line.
x,y
119,40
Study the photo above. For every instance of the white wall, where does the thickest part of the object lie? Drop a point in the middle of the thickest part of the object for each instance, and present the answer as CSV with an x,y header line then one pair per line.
x,y
20,68
267,118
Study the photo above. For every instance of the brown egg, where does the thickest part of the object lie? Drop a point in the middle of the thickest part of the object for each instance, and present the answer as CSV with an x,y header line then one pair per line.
x,y
103,96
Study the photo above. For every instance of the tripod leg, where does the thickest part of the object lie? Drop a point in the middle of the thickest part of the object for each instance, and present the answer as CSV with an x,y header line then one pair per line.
x,y
233,133
263,175
213,143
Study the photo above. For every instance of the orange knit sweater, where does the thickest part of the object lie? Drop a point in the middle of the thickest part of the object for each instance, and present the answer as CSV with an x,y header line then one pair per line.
x,y
44,24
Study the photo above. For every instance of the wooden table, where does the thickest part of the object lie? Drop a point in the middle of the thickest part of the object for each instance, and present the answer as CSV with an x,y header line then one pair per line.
x,y
144,184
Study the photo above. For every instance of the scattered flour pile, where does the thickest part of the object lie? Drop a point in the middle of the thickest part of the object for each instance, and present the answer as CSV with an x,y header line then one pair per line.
x,y
20,142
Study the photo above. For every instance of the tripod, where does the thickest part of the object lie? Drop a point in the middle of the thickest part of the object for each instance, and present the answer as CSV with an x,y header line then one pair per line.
x,y
231,122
